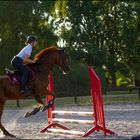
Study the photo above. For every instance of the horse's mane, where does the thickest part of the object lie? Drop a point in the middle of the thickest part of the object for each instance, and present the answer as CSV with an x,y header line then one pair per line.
x,y
44,51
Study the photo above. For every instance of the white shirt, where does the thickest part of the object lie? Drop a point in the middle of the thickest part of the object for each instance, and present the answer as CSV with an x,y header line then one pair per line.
x,y
27,50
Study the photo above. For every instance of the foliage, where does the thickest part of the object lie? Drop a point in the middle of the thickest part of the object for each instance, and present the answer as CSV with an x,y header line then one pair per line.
x,y
76,83
104,32
123,81
100,33
21,19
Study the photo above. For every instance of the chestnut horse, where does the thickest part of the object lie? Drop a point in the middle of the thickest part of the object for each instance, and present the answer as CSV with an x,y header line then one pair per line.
x,y
46,59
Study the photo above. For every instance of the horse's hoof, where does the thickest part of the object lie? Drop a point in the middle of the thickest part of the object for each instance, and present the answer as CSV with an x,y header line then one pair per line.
x,y
10,135
27,114
13,136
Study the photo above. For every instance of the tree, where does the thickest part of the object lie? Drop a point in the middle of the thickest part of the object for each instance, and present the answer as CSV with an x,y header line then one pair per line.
x,y
102,33
21,19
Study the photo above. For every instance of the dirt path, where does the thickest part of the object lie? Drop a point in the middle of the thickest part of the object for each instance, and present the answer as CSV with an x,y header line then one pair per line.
x,y
123,119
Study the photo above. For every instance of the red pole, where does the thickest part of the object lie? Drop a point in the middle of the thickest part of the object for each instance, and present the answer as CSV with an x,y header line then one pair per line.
x,y
97,103
92,94
48,98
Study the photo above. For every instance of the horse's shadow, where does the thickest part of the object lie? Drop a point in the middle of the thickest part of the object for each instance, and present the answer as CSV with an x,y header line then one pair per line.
x,y
8,137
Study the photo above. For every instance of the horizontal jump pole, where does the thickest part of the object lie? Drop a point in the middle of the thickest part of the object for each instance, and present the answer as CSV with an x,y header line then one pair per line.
x,y
61,131
73,121
74,113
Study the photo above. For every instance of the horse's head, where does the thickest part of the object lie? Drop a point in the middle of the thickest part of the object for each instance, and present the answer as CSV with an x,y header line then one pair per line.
x,y
62,61
54,56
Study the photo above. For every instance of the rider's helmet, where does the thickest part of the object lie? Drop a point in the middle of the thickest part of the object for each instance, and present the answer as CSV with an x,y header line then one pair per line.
x,y
31,38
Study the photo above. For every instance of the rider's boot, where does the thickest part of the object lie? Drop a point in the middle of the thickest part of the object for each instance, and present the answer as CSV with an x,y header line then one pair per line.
x,y
25,91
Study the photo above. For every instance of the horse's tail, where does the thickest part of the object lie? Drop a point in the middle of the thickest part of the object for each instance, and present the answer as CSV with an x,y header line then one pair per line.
x,y
2,95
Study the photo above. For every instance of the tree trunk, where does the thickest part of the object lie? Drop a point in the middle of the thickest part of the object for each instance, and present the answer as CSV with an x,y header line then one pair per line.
x,y
137,82
113,78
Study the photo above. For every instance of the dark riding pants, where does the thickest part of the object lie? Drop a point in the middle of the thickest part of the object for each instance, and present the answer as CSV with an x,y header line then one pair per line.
x,y
16,63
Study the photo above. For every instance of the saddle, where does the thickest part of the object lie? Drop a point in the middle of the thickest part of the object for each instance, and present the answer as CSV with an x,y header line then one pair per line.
x,y
15,76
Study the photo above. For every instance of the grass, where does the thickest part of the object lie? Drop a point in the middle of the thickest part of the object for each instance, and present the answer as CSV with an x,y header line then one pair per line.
x,y
122,92
128,98
112,97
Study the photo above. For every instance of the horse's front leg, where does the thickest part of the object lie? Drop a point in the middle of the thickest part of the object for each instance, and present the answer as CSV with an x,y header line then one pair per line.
x,y
40,101
36,109
49,105
33,112
50,102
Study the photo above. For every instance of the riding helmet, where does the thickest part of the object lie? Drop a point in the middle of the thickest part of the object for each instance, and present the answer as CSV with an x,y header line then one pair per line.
x,y
31,38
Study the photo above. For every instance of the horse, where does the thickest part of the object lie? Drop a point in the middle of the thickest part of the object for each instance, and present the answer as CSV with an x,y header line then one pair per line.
x,y
46,59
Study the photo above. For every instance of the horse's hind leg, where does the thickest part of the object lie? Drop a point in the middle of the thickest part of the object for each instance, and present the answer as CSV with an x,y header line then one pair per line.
x,y
5,132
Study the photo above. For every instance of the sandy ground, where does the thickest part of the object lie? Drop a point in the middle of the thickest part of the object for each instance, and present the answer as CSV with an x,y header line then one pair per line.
x,y
123,119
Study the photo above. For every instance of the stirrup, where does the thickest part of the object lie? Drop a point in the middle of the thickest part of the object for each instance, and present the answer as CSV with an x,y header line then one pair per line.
x,y
25,91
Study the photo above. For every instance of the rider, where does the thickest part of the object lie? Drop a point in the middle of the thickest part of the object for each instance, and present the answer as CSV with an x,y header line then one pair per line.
x,y
23,57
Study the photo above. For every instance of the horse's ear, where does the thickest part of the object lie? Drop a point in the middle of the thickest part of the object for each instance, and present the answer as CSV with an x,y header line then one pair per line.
x,y
62,51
